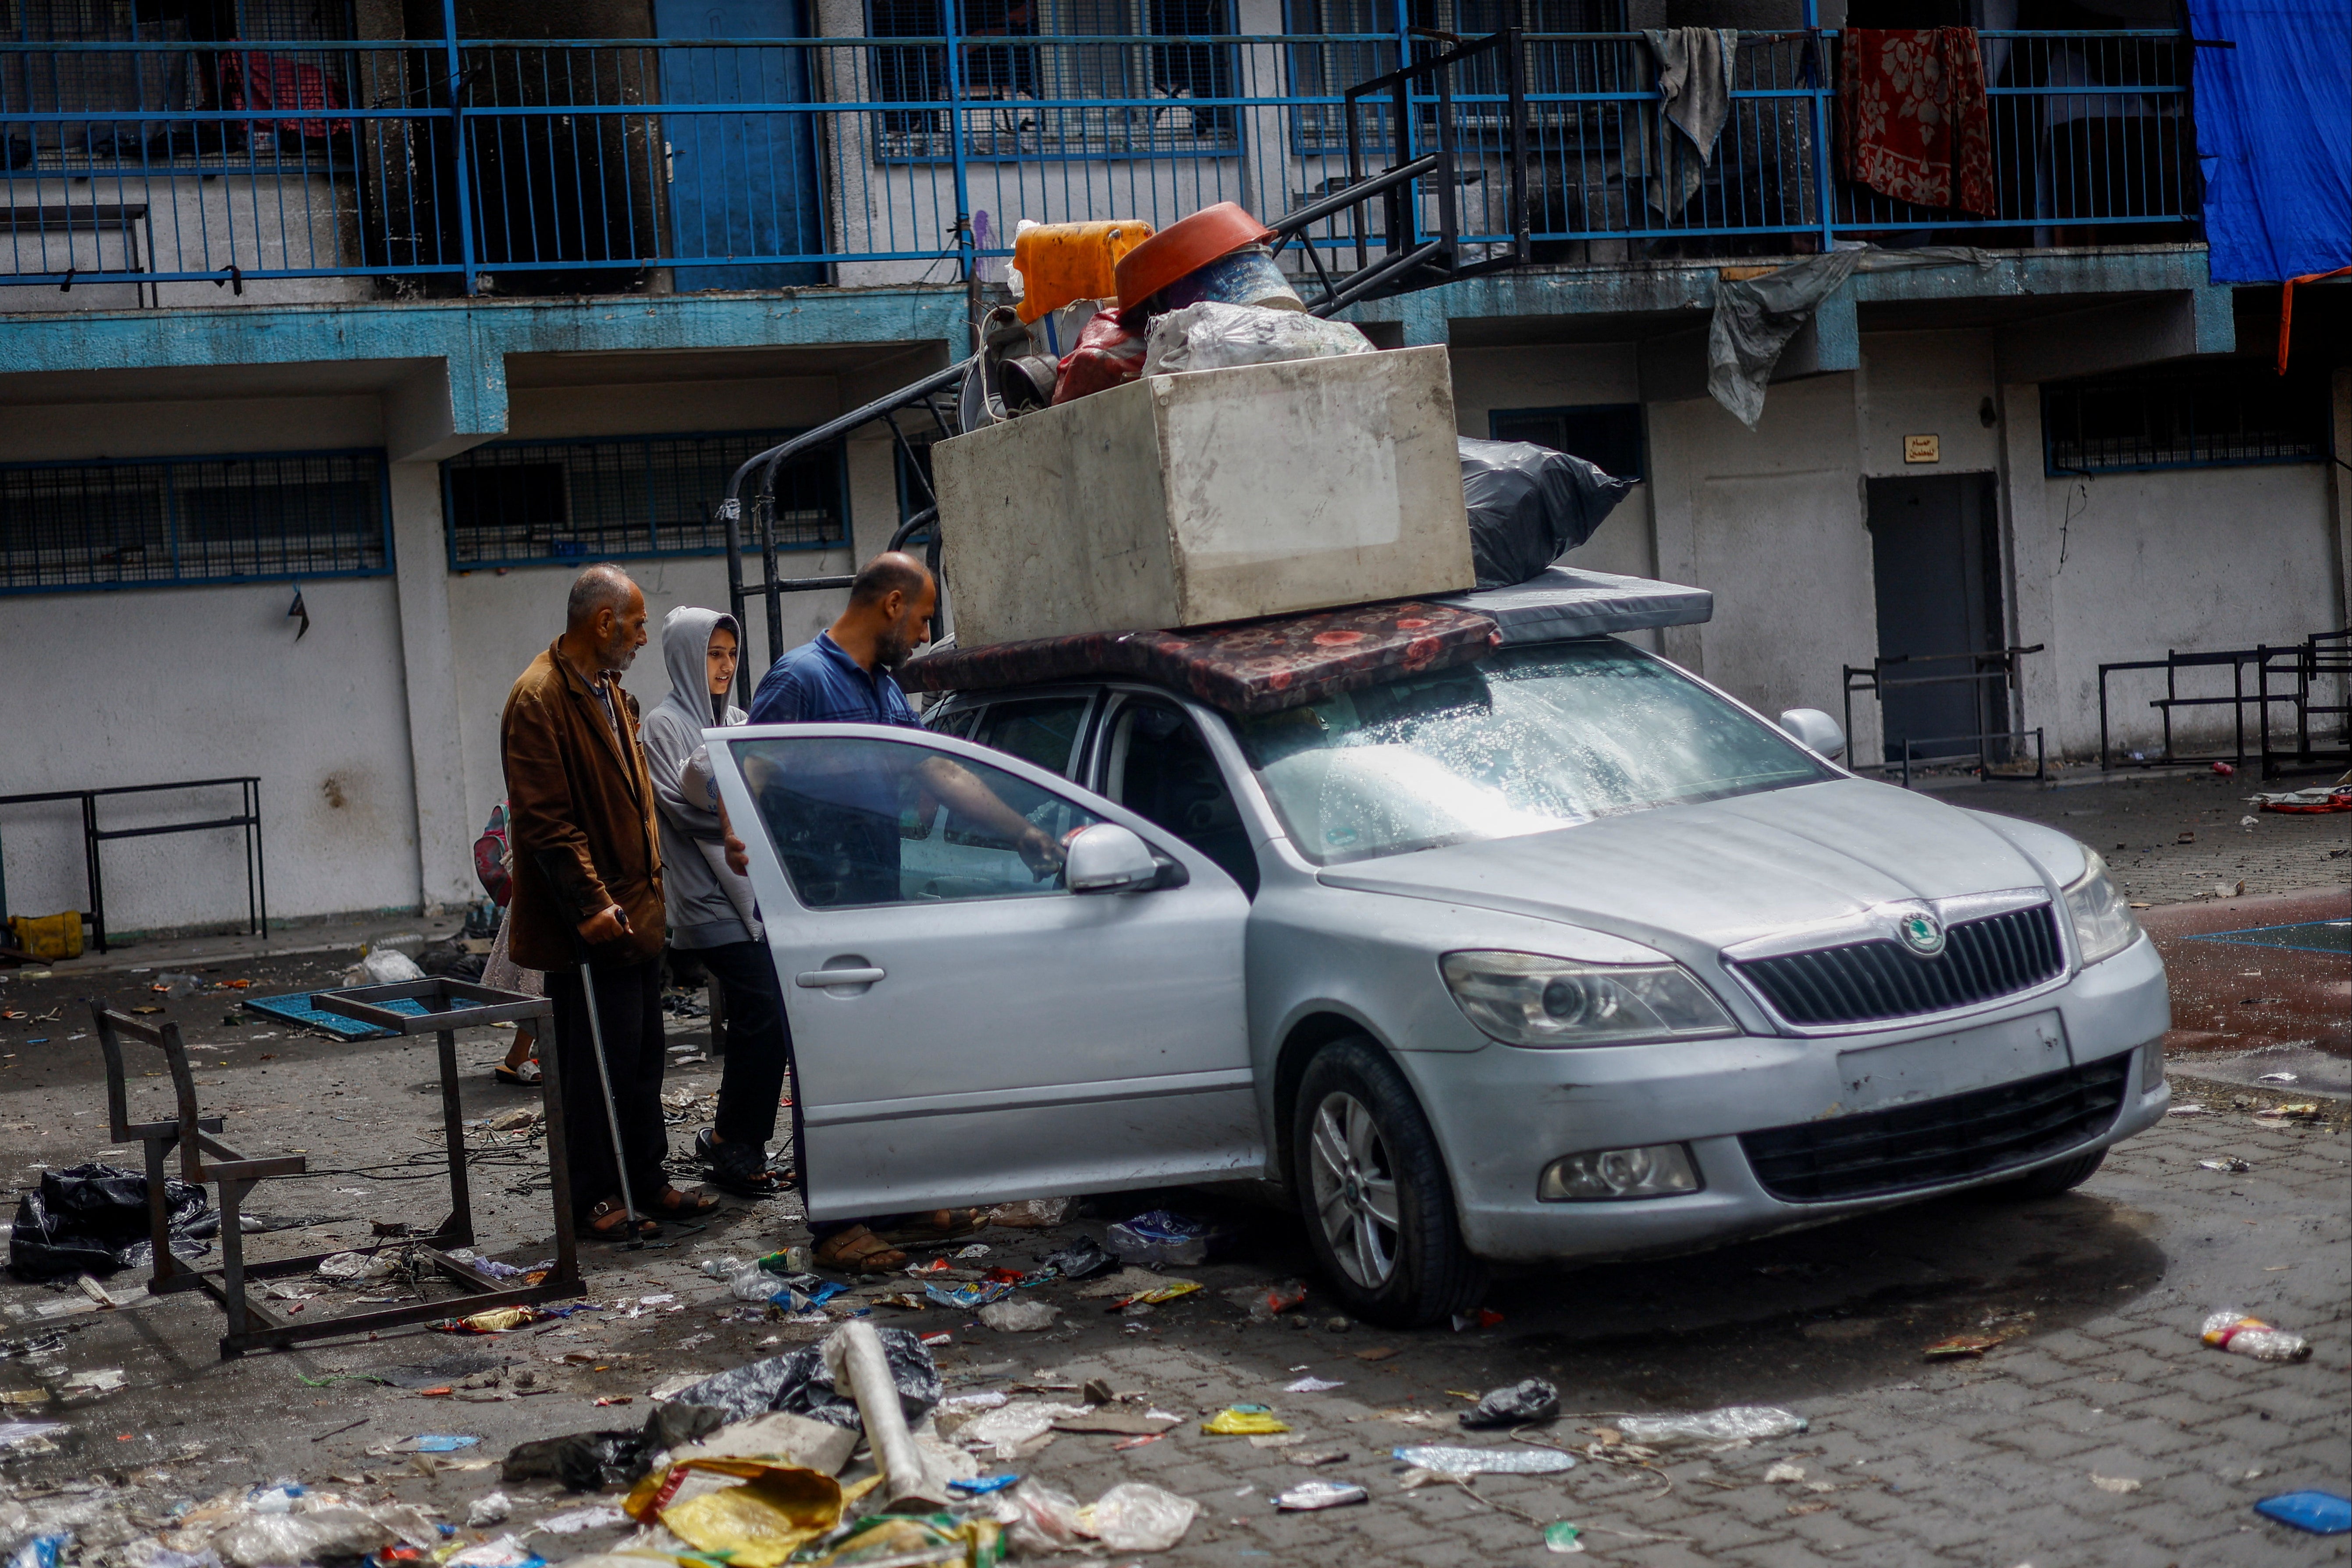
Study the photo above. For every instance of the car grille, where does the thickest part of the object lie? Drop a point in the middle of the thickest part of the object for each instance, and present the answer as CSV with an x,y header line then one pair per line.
x,y
1867,981
1936,1141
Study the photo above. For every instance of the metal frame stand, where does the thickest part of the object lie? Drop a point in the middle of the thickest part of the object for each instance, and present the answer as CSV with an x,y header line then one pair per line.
x,y
249,817
448,1005
1984,669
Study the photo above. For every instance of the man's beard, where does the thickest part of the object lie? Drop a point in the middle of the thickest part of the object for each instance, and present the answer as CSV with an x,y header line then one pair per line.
x,y
891,649
618,653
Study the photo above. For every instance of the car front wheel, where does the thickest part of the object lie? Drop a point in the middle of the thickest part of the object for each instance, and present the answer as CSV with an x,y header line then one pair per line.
x,y
1372,1188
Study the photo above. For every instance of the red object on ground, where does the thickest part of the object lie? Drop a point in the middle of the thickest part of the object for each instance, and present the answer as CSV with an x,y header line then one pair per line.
x,y
250,79
1107,355
1183,247
2224,769
1913,122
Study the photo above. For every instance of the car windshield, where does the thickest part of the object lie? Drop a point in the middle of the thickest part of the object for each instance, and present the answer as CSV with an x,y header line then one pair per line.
x,y
1531,739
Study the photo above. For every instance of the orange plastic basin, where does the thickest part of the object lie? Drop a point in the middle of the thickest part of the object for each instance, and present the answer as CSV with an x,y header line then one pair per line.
x,y
1062,264
1183,246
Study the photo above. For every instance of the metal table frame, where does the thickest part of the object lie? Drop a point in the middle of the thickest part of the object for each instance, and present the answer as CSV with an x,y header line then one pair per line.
x,y
449,1005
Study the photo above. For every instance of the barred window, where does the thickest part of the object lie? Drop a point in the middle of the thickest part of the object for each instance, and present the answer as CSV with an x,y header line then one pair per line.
x,y
2214,415
157,522
516,503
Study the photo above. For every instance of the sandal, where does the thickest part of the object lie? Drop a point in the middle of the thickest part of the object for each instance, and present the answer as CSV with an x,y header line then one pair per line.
x,y
609,1221
683,1205
939,1225
506,1074
739,1168
857,1251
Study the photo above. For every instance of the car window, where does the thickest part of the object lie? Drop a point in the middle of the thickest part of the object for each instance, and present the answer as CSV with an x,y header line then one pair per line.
x,y
1042,731
1157,765
1530,739
858,821
957,722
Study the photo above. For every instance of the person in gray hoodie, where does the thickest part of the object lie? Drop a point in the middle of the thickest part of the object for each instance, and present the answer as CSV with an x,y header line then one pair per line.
x,y
710,909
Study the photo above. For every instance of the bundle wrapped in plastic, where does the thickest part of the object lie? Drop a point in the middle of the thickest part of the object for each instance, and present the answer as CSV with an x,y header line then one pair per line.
x,y
1110,354
1528,506
1212,336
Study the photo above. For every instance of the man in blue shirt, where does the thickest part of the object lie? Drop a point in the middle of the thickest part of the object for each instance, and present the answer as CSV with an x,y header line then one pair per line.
x,y
836,820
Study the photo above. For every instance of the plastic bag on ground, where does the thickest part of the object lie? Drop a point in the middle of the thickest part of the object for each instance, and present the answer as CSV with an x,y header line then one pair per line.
x,y
92,1219
1030,1213
1018,1316
1533,1400
1163,1237
800,1385
1212,336
1082,1259
581,1461
1505,1461
1136,1516
1528,506
1002,1430
1038,1517
1732,1424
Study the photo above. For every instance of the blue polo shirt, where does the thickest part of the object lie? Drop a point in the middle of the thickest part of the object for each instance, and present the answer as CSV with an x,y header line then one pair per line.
x,y
819,682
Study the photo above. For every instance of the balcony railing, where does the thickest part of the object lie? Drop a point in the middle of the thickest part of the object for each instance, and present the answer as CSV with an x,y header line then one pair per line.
x,y
532,166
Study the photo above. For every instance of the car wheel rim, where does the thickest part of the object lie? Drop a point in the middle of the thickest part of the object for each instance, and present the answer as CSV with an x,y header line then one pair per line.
x,y
1355,1190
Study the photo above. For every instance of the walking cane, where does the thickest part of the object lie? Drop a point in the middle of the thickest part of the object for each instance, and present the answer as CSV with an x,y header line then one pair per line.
x,y
604,1081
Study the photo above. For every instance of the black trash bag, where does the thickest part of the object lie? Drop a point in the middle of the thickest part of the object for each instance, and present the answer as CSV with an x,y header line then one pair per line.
x,y
801,1384
582,1461
674,1422
1533,1400
1529,505
1082,1259
92,1219
450,958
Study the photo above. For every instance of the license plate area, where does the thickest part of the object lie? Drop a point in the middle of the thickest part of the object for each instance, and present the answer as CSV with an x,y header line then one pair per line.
x,y
1937,1065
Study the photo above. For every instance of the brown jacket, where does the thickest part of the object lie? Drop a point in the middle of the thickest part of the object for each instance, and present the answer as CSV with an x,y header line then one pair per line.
x,y
580,805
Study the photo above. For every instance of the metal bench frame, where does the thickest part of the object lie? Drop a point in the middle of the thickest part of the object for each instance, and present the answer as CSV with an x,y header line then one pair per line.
x,y
449,1005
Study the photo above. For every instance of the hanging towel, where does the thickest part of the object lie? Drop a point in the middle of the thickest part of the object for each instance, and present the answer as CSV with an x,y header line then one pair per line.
x,y
1913,122
1695,85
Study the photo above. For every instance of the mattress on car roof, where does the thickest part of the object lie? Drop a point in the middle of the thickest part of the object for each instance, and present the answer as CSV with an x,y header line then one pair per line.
x,y
1565,601
1245,667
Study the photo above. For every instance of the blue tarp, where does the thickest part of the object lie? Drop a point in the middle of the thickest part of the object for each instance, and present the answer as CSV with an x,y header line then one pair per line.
x,y
2275,136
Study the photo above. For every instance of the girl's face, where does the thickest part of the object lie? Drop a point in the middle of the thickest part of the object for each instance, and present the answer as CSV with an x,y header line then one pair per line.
x,y
722,660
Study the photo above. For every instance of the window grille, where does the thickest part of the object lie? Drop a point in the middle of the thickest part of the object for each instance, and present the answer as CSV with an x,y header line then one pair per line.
x,y
519,503
1608,435
1017,53
161,522
2214,415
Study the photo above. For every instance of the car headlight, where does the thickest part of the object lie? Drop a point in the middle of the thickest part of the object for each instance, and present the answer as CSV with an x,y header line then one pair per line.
x,y
2104,925
1526,998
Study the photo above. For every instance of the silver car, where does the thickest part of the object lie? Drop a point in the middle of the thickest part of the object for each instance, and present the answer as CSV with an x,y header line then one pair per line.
x,y
1560,954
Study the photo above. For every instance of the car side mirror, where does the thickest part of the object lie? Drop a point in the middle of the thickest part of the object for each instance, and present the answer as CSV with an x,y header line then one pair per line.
x,y
1816,730
1108,858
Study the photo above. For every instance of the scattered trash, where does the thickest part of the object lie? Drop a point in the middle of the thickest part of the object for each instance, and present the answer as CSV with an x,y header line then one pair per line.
x,y
1031,1214
1107,1418
1038,1517
1136,1516
107,1381
357,1266
1533,1400
1960,1347
28,1436
491,1508
966,1298
1163,1237
1154,1297
1082,1259
1308,1496
981,1486
800,1383
1312,1385
2230,1163
1484,1318
574,1522
2225,769
2278,1078
1733,1423
1242,1421
1264,1302
977,1250
2118,1484
2233,1331
434,1443
1782,1472
1004,1431
2320,1512
1018,1317
389,966
1561,1537
1514,1461
2186,1111
504,1552
2305,1111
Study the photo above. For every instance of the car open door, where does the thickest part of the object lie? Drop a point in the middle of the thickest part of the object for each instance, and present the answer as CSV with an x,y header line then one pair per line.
x,y
967,1029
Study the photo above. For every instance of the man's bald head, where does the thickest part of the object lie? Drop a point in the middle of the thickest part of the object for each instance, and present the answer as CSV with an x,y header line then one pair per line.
x,y
604,617
890,604
892,571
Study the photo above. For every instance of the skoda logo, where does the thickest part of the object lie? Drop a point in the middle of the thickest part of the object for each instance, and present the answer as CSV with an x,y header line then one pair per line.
x,y
1921,934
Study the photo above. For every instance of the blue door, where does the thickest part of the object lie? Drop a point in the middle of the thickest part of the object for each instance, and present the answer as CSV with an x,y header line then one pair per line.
x,y
740,183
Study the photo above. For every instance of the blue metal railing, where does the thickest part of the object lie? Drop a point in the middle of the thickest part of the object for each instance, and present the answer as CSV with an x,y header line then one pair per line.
x,y
579,165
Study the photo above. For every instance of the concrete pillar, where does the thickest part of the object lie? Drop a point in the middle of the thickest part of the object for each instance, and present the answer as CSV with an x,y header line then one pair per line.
x,y
444,831
2032,550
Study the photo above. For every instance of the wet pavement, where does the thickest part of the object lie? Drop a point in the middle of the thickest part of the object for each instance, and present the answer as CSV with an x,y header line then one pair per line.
x,y
2097,1431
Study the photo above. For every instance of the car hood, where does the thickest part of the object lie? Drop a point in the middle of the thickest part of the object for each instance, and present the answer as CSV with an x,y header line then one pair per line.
x,y
1708,876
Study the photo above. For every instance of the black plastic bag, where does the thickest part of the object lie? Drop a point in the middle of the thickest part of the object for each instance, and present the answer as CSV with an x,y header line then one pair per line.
x,y
582,1461
1082,1259
1529,505
92,1219
801,1384
1533,1400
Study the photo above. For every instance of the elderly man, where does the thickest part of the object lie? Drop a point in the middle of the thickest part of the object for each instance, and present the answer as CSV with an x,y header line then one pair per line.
x,y
587,879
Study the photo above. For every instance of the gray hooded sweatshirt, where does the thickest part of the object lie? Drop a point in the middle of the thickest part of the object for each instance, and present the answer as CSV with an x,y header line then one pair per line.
x,y
710,905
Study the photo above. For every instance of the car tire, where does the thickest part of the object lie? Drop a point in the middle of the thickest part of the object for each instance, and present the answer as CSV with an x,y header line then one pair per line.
x,y
1355,1118
2050,1180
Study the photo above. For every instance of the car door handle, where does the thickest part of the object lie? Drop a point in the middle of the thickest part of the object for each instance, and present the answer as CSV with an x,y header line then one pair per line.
x,y
820,979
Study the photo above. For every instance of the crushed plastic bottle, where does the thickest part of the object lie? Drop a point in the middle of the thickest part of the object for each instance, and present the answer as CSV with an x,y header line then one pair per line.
x,y
1310,1495
2240,1333
1732,1424
1512,1461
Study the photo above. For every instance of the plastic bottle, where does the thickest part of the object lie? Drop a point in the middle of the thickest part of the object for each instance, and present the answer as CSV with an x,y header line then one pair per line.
x,y
1061,264
2242,1334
